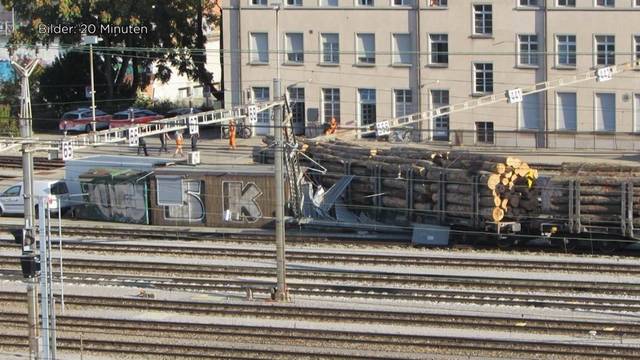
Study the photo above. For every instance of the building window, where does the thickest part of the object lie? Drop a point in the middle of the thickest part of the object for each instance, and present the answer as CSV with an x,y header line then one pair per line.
x,y
366,49
566,50
528,48
567,111
636,112
440,98
484,132
403,103
636,46
483,77
331,104
605,112
438,3
261,94
606,3
401,49
439,45
329,3
259,2
295,48
294,2
365,2
529,3
402,2
330,48
636,3
367,102
605,50
530,112
259,48
482,20
567,3
296,101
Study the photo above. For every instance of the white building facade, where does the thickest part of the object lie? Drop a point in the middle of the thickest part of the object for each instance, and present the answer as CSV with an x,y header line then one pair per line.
x,y
366,60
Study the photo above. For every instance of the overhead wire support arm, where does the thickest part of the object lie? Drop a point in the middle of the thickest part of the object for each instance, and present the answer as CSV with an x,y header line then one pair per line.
x,y
384,127
181,122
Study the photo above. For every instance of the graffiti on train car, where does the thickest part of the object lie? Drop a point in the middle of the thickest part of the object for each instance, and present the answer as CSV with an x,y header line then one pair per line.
x,y
239,201
192,209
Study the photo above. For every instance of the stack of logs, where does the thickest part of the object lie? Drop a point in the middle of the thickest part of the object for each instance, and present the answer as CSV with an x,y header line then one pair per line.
x,y
601,192
505,186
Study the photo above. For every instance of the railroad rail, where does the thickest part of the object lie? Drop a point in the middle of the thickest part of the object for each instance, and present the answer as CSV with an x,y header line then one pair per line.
x,y
320,256
568,326
198,272
39,163
171,336
483,293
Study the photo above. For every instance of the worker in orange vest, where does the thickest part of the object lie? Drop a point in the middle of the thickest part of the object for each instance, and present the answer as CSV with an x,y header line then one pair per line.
x,y
333,126
232,135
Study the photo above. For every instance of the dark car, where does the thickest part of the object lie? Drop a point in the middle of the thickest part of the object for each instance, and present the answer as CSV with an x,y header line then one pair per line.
x,y
134,116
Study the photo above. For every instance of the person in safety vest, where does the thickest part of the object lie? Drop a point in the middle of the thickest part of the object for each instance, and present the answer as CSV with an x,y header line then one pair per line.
x,y
333,126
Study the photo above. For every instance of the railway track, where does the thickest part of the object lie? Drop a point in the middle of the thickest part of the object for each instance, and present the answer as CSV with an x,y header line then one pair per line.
x,y
39,163
567,326
303,342
197,272
344,257
484,294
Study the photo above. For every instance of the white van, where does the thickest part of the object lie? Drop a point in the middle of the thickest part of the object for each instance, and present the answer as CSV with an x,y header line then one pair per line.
x,y
12,199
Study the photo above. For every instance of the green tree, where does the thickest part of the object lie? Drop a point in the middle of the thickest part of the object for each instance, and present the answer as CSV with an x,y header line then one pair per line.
x,y
175,36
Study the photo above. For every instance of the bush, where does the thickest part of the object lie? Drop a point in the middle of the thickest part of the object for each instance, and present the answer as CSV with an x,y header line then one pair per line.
x,y
8,124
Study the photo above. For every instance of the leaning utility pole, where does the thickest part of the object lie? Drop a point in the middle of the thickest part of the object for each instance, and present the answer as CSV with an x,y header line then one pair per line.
x,y
28,238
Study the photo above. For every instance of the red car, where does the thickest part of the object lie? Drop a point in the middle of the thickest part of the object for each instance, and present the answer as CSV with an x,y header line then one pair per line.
x,y
134,116
80,120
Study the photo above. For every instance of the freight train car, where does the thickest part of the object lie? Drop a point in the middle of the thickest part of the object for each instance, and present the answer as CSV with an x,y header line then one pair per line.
x,y
484,196
213,196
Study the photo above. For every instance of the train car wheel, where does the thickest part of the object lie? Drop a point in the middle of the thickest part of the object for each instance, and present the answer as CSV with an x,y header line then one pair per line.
x,y
505,242
608,247
567,244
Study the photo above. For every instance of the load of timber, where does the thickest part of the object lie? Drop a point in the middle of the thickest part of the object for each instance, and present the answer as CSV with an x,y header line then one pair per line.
x,y
457,184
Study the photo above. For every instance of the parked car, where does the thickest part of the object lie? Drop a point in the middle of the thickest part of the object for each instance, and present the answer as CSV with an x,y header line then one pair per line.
x,y
12,199
134,116
80,120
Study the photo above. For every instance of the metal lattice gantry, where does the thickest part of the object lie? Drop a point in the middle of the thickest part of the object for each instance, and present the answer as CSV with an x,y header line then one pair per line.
x,y
131,134
511,96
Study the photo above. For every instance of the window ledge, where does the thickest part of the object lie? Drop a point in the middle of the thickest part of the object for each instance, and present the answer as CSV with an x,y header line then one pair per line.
x,y
528,131
287,63
255,63
438,65
604,132
566,131
328,64
528,8
401,65
481,36
364,65
565,67
436,8
480,94
525,66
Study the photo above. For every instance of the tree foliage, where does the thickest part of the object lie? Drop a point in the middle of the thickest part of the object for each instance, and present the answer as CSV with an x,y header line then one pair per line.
x,y
175,36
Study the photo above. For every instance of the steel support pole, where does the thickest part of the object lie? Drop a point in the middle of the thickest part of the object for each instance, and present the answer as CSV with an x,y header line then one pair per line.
x,y
28,240
281,290
93,91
